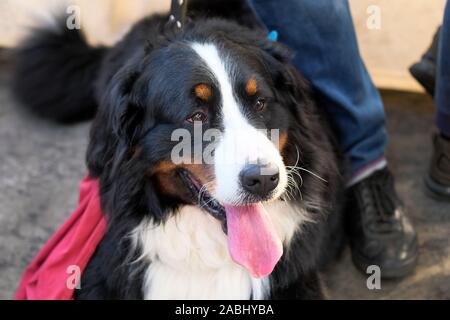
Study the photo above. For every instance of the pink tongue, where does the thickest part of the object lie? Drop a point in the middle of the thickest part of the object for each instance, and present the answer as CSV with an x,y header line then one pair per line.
x,y
252,240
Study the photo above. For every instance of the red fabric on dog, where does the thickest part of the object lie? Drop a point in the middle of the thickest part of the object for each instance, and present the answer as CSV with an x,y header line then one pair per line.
x,y
49,274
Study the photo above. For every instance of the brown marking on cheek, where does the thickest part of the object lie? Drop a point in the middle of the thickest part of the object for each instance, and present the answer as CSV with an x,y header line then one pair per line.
x,y
203,92
170,184
168,181
163,167
251,87
283,140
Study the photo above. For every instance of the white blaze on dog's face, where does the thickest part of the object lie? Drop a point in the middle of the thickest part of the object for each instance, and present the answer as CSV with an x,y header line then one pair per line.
x,y
249,169
241,145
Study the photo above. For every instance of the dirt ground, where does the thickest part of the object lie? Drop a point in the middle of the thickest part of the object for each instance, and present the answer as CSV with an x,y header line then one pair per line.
x,y
41,165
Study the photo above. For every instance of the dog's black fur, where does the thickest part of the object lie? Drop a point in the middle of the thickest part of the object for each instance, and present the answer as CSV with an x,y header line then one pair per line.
x,y
60,77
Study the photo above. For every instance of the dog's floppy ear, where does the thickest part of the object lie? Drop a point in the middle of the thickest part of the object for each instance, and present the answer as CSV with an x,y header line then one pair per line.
x,y
118,124
284,74
293,88
127,113
277,50
297,86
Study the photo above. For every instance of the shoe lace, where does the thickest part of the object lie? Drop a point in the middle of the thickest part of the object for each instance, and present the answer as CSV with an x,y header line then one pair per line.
x,y
379,201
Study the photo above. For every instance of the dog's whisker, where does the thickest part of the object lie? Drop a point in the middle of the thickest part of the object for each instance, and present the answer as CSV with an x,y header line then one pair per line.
x,y
293,168
203,190
298,156
296,167
314,174
298,174
293,185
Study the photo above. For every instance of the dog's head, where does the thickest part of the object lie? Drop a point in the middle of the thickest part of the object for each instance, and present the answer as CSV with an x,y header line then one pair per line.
x,y
208,119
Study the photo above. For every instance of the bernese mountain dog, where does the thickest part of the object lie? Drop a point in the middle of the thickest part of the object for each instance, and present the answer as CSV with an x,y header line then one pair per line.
x,y
219,176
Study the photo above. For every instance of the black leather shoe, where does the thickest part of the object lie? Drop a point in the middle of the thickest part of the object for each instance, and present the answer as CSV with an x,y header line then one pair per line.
x,y
380,232
424,71
438,179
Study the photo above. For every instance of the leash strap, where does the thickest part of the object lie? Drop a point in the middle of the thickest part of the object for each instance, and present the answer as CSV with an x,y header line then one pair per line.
x,y
178,12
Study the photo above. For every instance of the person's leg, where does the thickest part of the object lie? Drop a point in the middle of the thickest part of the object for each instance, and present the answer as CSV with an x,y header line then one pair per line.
x,y
438,179
322,35
443,77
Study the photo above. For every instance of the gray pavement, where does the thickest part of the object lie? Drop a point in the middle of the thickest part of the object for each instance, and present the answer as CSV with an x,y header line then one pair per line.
x,y
41,165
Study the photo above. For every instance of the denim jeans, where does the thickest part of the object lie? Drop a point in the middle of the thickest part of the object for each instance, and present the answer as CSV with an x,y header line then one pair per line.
x,y
322,35
443,76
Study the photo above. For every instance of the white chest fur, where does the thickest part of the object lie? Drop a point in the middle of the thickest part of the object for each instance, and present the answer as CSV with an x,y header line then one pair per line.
x,y
189,257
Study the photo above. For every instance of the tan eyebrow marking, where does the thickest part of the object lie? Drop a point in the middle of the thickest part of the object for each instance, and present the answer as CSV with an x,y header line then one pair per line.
x,y
251,87
203,92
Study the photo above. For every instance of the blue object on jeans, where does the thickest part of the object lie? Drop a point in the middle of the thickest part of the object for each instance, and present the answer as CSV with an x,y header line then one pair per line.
x,y
322,35
273,36
443,76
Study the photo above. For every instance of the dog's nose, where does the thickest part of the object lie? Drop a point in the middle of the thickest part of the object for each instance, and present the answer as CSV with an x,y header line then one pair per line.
x,y
260,180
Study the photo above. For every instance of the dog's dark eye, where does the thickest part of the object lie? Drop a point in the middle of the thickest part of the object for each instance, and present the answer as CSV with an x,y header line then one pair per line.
x,y
197,117
260,104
